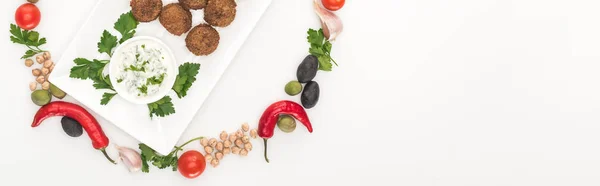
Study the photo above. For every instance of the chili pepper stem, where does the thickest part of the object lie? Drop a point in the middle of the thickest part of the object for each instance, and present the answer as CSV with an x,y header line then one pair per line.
x,y
106,155
265,140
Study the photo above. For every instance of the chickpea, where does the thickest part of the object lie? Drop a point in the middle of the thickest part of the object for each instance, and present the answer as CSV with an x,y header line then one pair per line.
x,y
46,85
235,150
232,137
47,55
245,139
204,142
28,62
214,162
253,133
248,146
239,143
33,86
227,144
208,157
48,63
51,68
36,72
45,71
40,59
212,142
219,146
208,149
227,151
239,133
40,79
245,127
244,152
223,136
219,155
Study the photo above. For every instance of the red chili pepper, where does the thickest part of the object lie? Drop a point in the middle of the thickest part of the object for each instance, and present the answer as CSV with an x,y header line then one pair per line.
x,y
78,113
268,120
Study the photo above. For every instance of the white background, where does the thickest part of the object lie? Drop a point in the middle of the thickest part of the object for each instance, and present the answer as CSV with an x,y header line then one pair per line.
x,y
428,92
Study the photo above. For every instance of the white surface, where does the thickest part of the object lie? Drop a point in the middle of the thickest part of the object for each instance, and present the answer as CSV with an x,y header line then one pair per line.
x,y
162,133
429,92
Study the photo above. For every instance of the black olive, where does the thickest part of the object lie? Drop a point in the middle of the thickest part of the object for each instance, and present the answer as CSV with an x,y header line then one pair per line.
x,y
307,70
310,95
71,127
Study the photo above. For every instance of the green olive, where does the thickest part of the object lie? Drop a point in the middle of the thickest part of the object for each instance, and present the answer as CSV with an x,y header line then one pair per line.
x,y
32,1
293,88
286,123
56,92
41,97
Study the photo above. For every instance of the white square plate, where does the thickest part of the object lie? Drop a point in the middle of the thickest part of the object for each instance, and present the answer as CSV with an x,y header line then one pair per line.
x,y
159,133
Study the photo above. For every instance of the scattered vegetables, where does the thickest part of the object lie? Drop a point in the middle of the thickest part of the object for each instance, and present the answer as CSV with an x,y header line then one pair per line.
x,y
270,116
160,161
31,39
28,16
131,158
78,113
333,5
71,127
293,88
286,123
331,23
191,164
41,97
310,95
307,70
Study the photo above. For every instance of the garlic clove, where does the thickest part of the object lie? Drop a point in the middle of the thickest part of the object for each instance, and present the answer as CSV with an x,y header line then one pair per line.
x,y
331,23
131,158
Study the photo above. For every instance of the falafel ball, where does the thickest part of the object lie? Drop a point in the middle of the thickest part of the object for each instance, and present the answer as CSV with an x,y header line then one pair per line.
x,y
145,10
193,4
220,13
176,19
202,40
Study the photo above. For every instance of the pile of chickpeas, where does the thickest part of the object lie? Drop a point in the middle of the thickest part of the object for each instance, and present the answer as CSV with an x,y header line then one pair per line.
x,y
41,74
237,143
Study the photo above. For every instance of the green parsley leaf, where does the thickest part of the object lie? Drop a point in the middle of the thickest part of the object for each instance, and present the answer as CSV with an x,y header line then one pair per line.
x,y
145,167
126,25
103,83
31,39
106,97
155,80
185,78
162,107
143,89
86,69
107,43
321,48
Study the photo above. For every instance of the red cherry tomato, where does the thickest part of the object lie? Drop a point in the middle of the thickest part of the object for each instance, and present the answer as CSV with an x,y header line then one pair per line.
x,y
28,16
333,5
191,164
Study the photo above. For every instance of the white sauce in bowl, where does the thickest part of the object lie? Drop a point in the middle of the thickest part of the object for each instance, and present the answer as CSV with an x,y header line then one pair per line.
x,y
142,70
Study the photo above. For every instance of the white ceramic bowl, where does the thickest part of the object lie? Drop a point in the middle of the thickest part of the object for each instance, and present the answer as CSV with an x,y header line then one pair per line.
x,y
165,86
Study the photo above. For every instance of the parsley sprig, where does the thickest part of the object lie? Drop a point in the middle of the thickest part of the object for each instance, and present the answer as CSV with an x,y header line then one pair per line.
x,y
31,39
321,48
170,160
162,107
185,78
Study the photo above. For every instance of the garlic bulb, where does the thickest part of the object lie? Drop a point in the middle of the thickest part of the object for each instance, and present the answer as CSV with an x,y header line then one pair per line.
x,y
131,158
331,23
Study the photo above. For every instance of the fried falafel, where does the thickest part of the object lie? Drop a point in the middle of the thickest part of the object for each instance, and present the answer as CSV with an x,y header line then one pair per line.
x,y
176,19
145,10
193,4
220,13
202,40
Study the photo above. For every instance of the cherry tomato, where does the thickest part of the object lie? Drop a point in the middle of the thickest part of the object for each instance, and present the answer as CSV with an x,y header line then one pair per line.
x,y
191,164
28,16
333,5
